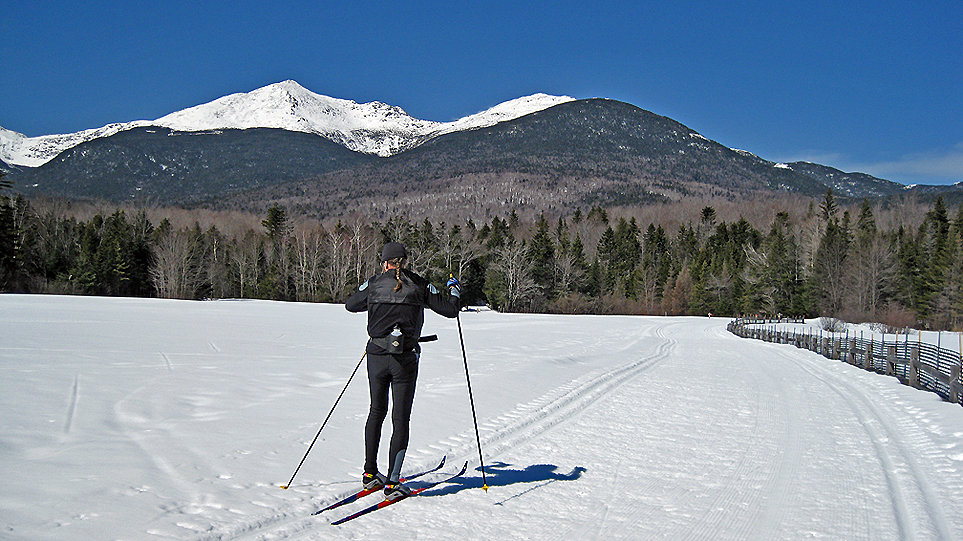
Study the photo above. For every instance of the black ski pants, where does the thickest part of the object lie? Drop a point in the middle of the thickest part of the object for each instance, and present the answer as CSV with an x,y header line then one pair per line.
x,y
397,373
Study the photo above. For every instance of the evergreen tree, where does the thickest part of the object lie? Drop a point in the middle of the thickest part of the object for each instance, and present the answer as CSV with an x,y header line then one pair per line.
x,y
561,236
498,234
828,280
866,223
911,280
938,247
687,245
542,253
707,222
928,262
958,225
276,223
772,273
598,215
708,215
628,247
721,284
513,221
114,256
950,301
829,208
656,256
8,238
594,283
577,216
606,257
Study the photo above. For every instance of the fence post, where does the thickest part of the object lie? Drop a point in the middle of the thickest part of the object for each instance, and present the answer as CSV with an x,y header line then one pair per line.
x,y
868,359
890,360
955,383
914,373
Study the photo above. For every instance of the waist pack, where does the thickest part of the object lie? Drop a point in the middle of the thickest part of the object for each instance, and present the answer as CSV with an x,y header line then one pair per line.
x,y
393,343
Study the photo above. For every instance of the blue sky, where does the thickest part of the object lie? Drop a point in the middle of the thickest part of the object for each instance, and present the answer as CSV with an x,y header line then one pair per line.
x,y
863,86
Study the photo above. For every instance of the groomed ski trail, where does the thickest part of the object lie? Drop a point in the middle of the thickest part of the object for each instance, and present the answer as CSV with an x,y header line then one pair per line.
x,y
512,429
915,503
530,420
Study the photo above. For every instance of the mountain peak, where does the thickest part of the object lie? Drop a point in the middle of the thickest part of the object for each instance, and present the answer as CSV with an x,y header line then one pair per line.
x,y
372,128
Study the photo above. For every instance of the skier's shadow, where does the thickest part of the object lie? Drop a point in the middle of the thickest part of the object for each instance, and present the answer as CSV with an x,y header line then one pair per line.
x,y
501,474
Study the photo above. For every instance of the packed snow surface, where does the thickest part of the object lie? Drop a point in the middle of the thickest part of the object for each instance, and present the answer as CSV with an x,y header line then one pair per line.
x,y
153,419
373,128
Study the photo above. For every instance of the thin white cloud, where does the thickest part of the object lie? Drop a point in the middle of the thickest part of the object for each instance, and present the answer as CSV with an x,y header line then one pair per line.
x,y
938,166
941,164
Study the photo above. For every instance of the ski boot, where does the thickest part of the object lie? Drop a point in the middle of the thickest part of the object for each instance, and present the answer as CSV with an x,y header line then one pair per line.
x,y
373,481
396,491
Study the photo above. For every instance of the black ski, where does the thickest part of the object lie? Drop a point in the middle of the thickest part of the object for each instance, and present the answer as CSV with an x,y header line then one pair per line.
x,y
364,492
386,503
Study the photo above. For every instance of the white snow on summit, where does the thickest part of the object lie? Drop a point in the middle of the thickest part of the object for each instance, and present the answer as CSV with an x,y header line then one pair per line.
x,y
373,128
508,110
18,149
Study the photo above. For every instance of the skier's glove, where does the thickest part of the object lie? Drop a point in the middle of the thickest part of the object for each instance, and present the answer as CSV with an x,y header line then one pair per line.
x,y
454,287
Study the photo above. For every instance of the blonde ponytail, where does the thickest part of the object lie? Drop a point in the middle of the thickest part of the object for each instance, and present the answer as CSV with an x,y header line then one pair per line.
x,y
397,263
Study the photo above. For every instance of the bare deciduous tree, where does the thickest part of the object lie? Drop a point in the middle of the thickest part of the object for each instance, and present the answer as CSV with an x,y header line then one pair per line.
x,y
177,269
338,255
362,242
308,250
566,271
871,267
468,248
246,262
514,268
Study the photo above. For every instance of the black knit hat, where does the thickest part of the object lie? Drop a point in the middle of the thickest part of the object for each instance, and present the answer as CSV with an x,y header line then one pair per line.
x,y
393,250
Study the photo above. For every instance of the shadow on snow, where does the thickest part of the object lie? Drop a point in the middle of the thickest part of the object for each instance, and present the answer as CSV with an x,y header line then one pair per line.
x,y
501,474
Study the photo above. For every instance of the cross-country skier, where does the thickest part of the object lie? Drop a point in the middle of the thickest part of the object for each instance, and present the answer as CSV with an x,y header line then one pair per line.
x,y
395,301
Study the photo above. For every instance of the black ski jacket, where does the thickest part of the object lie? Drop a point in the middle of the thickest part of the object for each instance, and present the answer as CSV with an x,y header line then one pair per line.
x,y
406,308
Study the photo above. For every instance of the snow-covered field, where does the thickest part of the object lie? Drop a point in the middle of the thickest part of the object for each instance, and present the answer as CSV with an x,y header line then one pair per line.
x,y
153,419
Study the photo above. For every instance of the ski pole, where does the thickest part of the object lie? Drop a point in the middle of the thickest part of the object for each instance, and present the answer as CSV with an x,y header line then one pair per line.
x,y
285,487
471,399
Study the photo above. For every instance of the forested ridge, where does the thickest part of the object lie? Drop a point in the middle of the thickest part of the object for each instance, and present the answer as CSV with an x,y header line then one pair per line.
x,y
825,258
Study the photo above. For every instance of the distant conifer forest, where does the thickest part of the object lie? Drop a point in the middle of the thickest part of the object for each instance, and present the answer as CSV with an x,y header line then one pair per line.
x,y
900,264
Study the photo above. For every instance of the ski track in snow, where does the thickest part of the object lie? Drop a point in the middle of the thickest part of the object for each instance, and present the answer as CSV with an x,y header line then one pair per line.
x,y
917,509
72,408
739,500
167,362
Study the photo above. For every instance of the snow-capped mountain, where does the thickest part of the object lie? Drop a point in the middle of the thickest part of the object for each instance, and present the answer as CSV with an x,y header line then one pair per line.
x,y
18,149
372,128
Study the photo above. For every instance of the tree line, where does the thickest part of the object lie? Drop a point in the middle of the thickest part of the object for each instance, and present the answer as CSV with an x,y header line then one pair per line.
x,y
825,260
